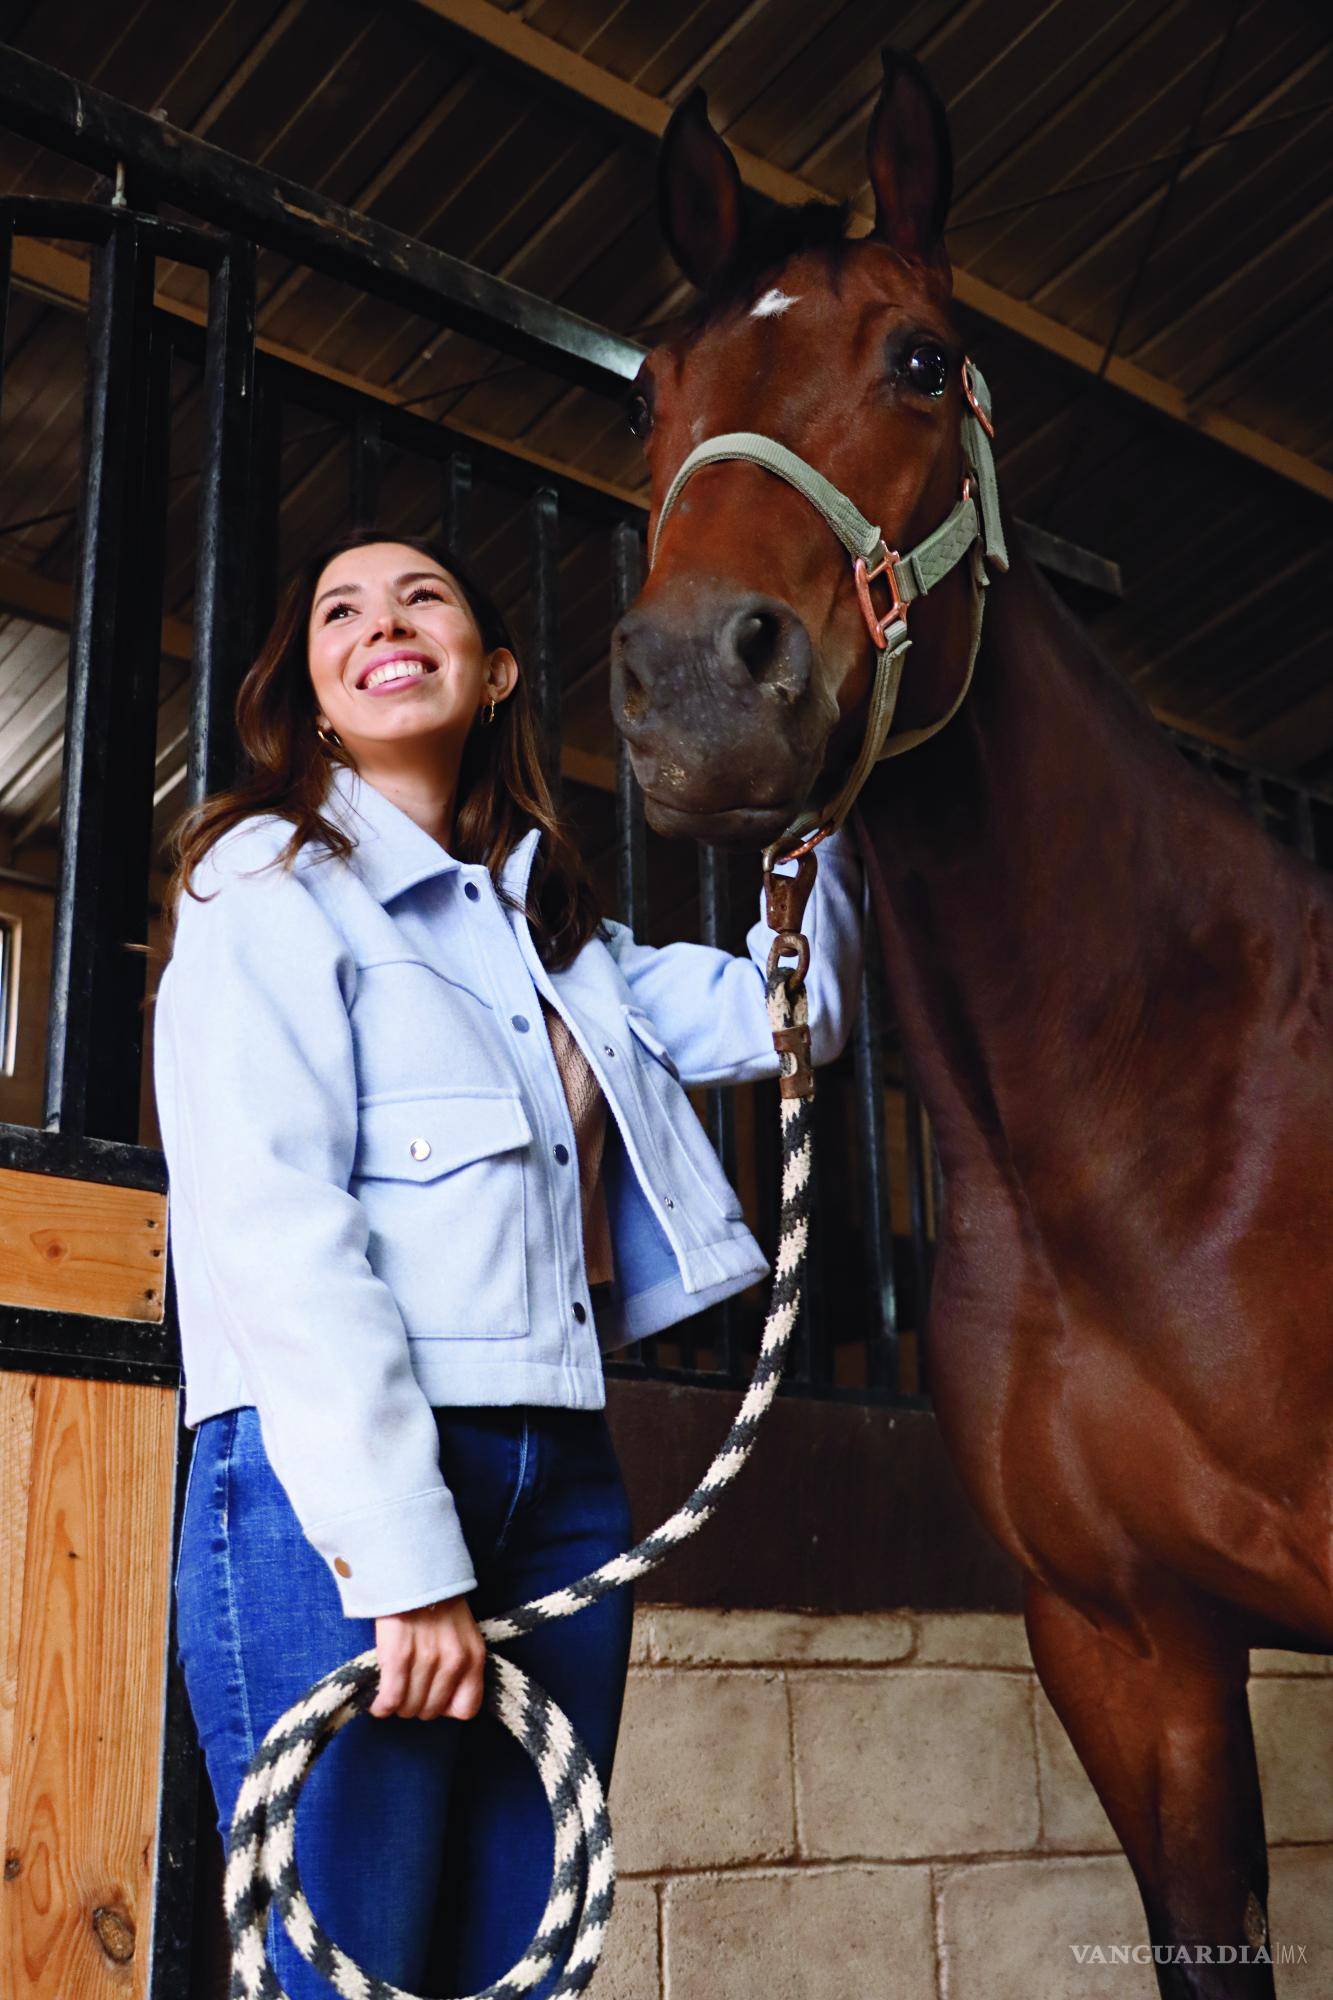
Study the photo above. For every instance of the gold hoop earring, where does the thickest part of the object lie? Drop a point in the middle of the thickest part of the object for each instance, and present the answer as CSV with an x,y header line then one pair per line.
x,y
328,736
489,717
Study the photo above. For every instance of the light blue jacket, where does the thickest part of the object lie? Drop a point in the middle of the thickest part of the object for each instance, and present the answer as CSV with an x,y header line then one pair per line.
x,y
374,1198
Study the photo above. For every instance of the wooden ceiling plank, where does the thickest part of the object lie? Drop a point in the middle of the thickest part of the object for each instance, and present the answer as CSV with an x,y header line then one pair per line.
x,y
349,303
1142,109
1212,229
997,131
369,193
682,81
1233,608
1139,211
1264,300
259,51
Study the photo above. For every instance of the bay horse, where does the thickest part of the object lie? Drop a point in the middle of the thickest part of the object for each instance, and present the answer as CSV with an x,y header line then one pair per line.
x,y
1114,991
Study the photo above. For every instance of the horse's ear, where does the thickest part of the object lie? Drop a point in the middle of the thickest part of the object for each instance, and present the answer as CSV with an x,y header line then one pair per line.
x,y
699,196
910,158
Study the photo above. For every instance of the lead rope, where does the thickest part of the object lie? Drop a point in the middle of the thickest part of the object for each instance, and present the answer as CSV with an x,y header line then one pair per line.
x,y
261,1849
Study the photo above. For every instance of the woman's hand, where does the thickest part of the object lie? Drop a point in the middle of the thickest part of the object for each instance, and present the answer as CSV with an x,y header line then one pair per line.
x,y
432,1662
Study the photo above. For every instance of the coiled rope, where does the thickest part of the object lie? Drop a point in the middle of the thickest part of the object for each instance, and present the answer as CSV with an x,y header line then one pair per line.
x,y
261,1850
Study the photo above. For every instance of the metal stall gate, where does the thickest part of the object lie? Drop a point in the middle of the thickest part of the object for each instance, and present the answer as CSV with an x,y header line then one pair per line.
x,y
86,1305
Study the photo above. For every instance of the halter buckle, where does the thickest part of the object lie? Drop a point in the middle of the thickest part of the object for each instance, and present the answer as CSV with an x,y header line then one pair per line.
x,y
897,611
970,391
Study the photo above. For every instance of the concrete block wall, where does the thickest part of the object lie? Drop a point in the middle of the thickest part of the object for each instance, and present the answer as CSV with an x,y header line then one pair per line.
x,y
808,1807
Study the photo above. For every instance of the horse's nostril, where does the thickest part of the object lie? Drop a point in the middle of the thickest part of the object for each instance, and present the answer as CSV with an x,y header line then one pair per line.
x,y
765,640
634,695
756,640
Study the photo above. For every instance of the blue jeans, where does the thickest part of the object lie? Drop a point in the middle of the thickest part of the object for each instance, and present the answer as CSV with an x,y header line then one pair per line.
x,y
424,1848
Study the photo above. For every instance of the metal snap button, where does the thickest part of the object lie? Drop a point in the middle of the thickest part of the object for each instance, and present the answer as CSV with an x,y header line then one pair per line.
x,y
607,1049
471,891
420,1149
343,1567
519,1021
668,1201
580,1311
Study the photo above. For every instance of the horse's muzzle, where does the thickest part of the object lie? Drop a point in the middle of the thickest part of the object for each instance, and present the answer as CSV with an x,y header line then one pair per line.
x,y
714,689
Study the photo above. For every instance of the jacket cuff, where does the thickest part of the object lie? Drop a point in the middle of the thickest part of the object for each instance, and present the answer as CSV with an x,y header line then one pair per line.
x,y
396,1557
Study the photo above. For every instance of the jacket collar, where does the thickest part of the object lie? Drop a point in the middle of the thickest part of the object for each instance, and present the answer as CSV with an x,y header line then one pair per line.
x,y
393,853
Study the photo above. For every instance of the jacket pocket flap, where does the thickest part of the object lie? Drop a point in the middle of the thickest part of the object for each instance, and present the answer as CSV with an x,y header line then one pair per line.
x,y
420,1137
643,1028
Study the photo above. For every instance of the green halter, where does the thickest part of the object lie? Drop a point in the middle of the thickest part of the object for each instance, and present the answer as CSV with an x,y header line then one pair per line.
x,y
972,529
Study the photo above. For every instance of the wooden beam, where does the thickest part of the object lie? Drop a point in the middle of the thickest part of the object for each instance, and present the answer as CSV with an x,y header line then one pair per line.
x,y
638,111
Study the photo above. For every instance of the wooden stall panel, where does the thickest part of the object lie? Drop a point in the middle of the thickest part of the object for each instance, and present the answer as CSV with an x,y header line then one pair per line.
x,y
81,1246
86,1493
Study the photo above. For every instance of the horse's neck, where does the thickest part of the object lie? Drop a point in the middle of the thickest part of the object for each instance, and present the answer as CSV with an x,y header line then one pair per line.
x,y
1041,870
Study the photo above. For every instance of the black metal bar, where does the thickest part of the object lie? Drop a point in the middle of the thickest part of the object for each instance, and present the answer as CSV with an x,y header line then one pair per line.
x,y
221,621
457,501
631,837
631,843
883,1358
79,1157
92,651
67,221
811,1364
936,1194
6,264
916,1206
85,124
117,1028
265,506
87,1346
367,463
544,514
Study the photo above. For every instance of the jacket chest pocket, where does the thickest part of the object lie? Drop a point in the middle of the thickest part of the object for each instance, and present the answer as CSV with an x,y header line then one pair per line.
x,y
442,1177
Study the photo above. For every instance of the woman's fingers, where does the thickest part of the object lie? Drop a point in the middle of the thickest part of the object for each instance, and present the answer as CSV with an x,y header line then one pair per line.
x,y
469,1687
421,1672
392,1683
432,1663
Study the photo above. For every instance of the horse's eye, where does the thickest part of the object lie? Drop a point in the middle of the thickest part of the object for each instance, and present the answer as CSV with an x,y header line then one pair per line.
x,y
927,369
640,416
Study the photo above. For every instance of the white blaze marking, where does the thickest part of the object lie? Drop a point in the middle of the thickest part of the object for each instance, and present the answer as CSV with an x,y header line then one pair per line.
x,y
771,304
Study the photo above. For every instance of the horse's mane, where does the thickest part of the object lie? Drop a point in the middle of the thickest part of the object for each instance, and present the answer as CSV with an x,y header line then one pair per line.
x,y
772,234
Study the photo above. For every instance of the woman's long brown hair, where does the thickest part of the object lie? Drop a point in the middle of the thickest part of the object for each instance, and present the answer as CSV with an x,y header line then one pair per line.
x,y
502,787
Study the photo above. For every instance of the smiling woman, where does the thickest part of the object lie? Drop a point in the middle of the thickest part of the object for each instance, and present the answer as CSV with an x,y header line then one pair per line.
x,y
430,1156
